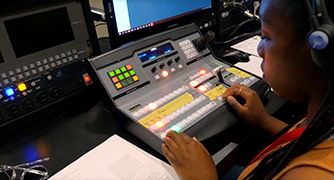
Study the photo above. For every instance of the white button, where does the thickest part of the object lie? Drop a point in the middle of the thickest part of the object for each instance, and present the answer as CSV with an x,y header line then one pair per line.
x,y
152,128
157,102
189,119
146,108
213,103
202,97
163,135
135,114
172,69
157,77
193,103
165,120
179,111
183,110
172,116
180,66
141,111
185,88
199,112
187,107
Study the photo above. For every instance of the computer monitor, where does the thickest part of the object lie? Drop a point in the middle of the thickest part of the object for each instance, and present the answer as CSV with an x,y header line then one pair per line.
x,y
129,20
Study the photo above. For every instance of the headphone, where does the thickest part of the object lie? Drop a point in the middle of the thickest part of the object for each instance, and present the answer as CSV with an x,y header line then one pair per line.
x,y
321,37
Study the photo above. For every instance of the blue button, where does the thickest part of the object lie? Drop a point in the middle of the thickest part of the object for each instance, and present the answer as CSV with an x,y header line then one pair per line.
x,y
9,91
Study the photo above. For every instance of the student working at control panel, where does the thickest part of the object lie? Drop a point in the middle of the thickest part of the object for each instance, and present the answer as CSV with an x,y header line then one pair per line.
x,y
296,72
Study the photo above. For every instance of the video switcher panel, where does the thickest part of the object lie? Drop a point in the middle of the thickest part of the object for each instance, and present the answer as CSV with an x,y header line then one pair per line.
x,y
164,83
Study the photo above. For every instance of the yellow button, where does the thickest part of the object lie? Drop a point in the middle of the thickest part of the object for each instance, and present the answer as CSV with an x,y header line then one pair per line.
x,y
135,78
22,87
118,85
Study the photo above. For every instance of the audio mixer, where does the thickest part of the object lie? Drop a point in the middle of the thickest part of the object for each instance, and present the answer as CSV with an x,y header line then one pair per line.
x,y
167,82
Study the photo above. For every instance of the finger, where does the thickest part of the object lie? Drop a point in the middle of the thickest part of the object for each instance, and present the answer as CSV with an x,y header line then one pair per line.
x,y
171,144
235,104
168,154
178,138
231,91
201,146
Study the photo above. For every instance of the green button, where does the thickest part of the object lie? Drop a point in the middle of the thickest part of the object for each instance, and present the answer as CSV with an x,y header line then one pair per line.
x,y
112,73
132,72
176,128
121,77
126,75
117,71
124,83
123,69
130,81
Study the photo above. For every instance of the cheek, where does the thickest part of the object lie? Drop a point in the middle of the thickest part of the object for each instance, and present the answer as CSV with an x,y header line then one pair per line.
x,y
274,72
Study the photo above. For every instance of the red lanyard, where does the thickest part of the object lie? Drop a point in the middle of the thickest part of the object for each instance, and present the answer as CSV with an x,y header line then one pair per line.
x,y
287,137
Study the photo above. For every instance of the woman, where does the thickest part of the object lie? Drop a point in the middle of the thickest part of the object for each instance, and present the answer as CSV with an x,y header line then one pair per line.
x,y
289,68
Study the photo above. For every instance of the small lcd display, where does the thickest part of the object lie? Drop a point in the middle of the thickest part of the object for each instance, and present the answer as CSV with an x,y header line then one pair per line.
x,y
37,32
155,52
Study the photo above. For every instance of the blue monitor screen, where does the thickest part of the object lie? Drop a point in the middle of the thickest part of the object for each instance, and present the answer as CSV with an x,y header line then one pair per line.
x,y
134,15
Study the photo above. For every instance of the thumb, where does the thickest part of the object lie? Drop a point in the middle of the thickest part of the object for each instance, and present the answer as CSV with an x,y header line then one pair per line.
x,y
235,104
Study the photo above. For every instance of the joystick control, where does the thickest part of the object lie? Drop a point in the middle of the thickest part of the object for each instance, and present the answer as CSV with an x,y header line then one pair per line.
x,y
218,70
201,42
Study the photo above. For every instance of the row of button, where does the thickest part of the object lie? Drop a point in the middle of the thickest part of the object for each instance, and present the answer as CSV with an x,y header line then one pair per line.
x,y
191,119
38,67
161,101
203,78
178,112
247,81
188,49
157,76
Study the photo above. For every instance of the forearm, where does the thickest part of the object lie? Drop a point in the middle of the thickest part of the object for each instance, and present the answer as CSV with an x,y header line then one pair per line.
x,y
272,126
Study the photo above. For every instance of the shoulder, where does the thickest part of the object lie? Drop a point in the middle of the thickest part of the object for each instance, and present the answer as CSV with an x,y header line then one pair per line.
x,y
318,163
307,172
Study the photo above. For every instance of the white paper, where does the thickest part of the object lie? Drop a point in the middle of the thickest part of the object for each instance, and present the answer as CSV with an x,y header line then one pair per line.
x,y
249,45
117,159
253,66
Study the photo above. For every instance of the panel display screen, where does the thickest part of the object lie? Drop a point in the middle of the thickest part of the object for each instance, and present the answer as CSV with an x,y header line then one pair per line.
x,y
37,32
155,52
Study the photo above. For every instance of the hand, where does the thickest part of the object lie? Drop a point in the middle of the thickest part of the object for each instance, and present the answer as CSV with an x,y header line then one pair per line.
x,y
188,157
253,110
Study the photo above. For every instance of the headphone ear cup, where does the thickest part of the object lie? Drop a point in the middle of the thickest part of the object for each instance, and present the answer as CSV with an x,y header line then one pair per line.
x,y
321,42
318,40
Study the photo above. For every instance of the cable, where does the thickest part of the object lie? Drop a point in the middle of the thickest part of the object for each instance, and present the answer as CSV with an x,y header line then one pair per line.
x,y
246,12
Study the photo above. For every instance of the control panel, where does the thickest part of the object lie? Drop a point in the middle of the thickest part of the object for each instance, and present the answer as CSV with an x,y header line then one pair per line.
x,y
164,83
42,54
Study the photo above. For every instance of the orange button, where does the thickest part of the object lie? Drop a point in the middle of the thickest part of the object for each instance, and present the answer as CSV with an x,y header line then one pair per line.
x,y
135,78
159,124
164,73
115,79
118,85
202,88
128,66
22,87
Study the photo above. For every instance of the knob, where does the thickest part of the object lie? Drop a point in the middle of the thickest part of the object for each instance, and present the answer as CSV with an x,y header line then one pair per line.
x,y
177,59
162,65
169,62
154,69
